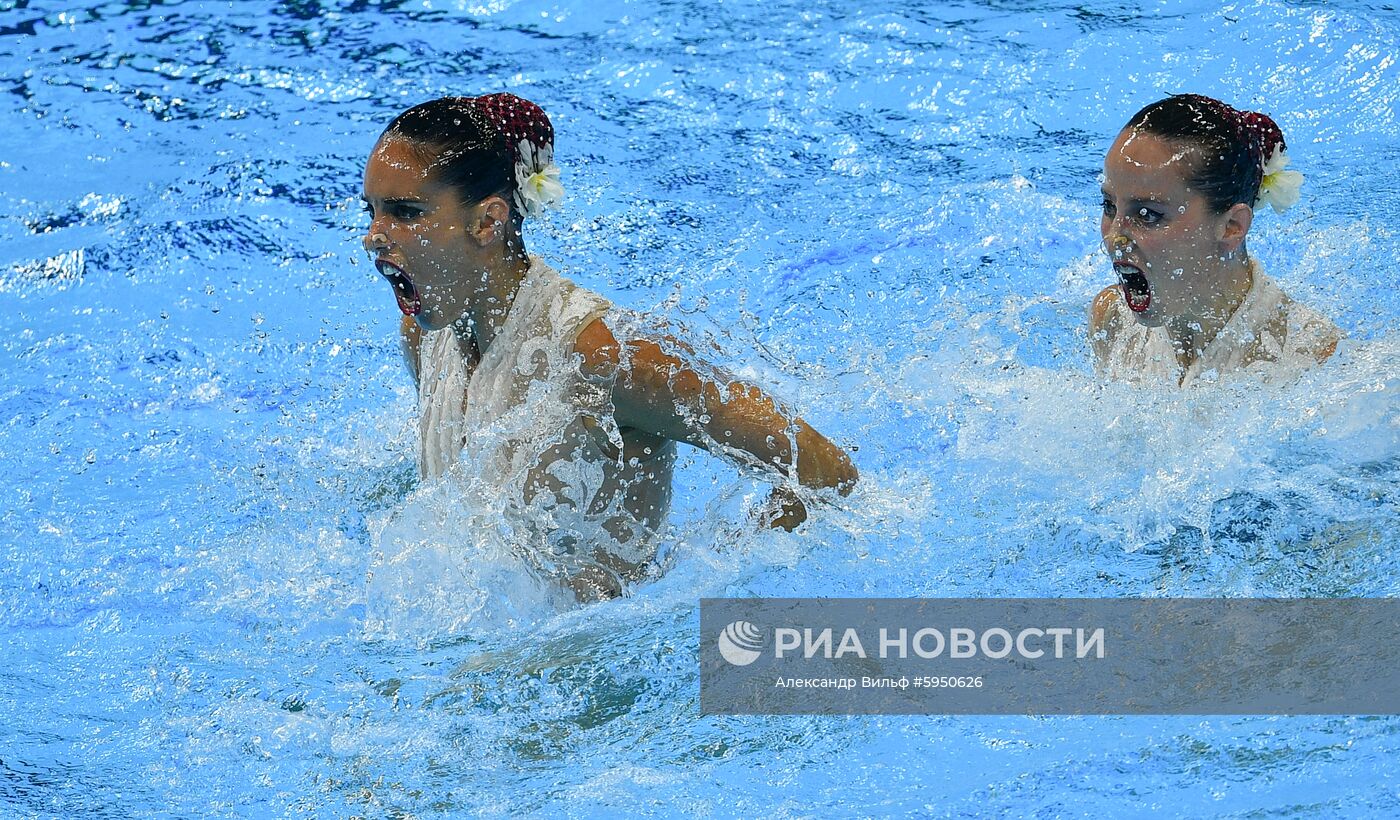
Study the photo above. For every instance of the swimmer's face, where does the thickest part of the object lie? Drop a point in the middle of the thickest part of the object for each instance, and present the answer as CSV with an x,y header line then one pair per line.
x,y
1166,244
423,239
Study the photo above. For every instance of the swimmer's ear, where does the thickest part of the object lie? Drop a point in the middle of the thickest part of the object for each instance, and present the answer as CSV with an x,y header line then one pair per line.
x,y
491,220
1234,225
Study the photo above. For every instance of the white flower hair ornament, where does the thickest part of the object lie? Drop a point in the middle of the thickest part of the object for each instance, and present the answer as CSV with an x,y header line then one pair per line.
x,y
1279,188
537,183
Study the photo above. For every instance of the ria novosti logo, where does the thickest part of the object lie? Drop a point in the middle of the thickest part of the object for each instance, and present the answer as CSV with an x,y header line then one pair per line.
x,y
741,643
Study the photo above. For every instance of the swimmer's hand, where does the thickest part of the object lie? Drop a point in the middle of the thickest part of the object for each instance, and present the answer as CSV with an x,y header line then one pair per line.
x,y
783,510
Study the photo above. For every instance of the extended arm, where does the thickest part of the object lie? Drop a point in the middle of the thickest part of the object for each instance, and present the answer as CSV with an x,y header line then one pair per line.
x,y
659,392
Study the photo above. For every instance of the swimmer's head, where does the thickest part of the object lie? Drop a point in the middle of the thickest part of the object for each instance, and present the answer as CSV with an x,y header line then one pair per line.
x,y
1231,146
446,188
1180,185
492,145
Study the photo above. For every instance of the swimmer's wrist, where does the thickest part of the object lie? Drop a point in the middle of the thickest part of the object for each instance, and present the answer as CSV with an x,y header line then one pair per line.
x,y
782,510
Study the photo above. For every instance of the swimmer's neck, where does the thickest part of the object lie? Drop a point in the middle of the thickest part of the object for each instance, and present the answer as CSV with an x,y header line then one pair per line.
x,y
1192,333
492,297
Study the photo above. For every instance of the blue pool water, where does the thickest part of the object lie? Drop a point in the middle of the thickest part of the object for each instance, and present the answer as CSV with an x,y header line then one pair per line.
x,y
217,593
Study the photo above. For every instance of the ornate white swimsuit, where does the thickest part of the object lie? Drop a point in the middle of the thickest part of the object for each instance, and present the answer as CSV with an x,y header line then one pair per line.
x,y
530,432
1269,337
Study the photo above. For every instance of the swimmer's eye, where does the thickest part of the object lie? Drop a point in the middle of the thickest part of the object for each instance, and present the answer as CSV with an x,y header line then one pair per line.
x,y
397,211
1108,209
1147,216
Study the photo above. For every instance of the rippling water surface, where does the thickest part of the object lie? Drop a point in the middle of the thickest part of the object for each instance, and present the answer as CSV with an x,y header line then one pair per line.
x,y
888,213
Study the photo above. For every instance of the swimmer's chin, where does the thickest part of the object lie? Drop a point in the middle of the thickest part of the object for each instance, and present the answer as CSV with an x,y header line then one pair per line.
x,y
430,319
1149,318
427,320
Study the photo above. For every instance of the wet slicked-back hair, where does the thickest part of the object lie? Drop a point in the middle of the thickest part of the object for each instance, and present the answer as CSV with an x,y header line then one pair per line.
x,y
472,144
1233,145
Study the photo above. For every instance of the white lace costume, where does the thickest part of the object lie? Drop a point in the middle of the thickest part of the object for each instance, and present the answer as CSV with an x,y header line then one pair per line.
x,y
1269,337
533,430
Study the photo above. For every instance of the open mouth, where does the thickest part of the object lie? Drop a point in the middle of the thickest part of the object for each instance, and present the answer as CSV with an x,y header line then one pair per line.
x,y
1136,291
404,291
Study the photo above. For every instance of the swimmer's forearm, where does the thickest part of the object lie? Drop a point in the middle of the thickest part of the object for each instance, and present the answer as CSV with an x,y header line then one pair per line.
x,y
750,420
658,392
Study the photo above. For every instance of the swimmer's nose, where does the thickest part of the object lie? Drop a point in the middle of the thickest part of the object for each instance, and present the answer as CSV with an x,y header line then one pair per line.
x,y
1118,243
376,241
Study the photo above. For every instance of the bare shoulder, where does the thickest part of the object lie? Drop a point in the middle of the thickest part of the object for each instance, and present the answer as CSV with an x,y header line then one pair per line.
x,y
651,377
603,352
1309,332
410,340
1105,320
1105,307
599,348
663,389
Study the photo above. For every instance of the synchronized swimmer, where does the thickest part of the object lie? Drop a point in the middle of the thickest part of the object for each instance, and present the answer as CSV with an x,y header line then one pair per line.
x,y
1181,184
550,397
531,377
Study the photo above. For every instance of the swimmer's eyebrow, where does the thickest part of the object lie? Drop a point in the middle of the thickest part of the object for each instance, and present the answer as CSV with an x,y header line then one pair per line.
x,y
1151,199
398,200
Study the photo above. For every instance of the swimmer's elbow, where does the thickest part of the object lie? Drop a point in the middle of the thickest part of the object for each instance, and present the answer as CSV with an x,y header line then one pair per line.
x,y
1319,340
1324,351
847,476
